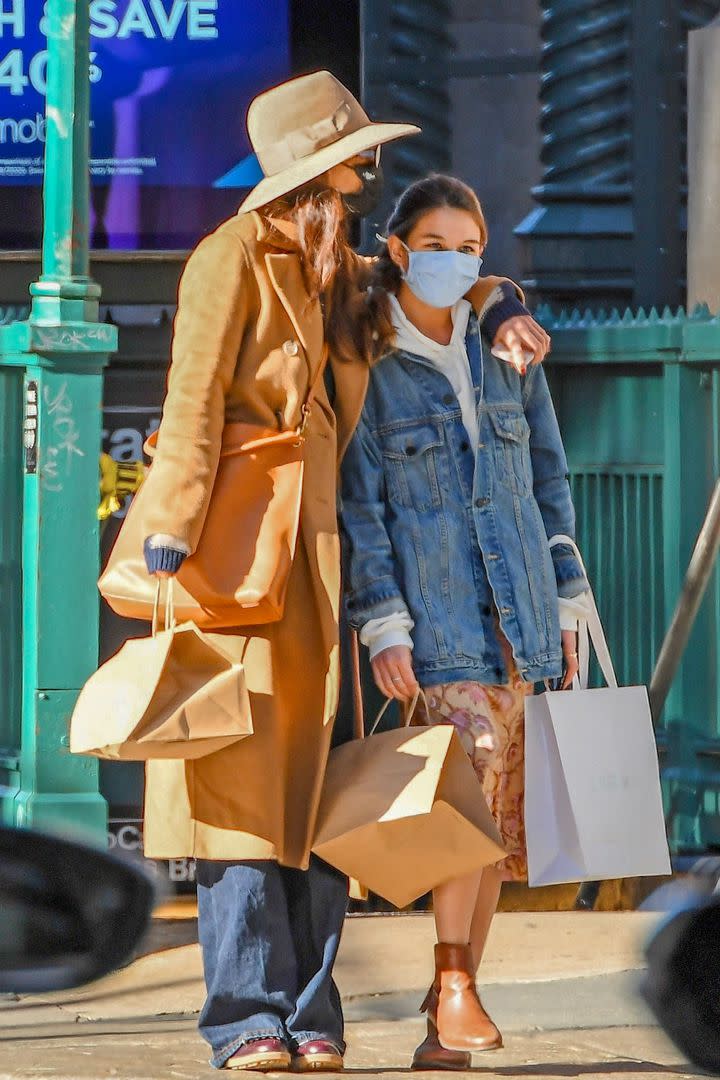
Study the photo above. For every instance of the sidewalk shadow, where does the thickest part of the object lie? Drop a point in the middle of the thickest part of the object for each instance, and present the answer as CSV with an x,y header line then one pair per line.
x,y
597,1068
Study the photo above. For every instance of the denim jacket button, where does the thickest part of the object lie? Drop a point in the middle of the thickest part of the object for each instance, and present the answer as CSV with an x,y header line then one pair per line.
x,y
464,446
482,502
448,399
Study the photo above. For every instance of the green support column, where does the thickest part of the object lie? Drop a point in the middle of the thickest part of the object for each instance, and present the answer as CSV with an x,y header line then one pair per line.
x,y
58,356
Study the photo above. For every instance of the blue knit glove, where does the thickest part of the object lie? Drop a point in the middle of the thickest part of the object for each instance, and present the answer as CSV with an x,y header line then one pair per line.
x,y
163,559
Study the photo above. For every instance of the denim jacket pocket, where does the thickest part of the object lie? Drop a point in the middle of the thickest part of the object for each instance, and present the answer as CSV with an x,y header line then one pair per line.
x,y
512,450
412,466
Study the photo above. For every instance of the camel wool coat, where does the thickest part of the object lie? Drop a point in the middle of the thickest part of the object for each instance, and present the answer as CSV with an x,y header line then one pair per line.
x,y
247,343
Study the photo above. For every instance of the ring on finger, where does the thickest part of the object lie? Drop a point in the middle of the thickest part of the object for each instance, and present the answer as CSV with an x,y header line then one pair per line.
x,y
397,678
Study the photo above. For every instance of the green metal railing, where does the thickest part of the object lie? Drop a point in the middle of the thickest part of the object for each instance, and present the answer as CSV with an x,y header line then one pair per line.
x,y
638,398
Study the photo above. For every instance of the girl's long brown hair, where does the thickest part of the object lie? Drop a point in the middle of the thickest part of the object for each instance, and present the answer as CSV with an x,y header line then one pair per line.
x,y
332,270
431,193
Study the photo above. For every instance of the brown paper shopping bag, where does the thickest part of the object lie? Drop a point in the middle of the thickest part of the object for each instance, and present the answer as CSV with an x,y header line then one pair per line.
x,y
403,811
172,695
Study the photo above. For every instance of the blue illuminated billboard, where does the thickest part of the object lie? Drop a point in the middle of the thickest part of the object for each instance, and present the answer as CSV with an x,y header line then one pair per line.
x,y
171,81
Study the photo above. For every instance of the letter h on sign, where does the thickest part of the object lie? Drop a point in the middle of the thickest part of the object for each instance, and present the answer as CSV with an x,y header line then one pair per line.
x,y
12,14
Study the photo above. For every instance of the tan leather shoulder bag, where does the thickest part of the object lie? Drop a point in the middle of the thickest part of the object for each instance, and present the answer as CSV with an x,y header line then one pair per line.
x,y
258,485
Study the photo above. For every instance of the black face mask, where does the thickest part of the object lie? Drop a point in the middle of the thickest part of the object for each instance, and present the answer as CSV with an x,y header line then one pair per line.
x,y
369,197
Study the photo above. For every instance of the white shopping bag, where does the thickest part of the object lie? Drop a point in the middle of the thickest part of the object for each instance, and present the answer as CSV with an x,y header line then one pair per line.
x,y
593,806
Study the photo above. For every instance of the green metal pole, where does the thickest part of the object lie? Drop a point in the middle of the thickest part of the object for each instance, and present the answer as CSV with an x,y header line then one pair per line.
x,y
58,356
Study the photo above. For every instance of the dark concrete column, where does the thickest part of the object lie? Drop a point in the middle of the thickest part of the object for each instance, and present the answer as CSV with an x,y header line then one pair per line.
x,y
609,224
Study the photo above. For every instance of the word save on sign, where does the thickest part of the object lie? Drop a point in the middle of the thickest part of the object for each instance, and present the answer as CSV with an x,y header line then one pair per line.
x,y
150,19
154,18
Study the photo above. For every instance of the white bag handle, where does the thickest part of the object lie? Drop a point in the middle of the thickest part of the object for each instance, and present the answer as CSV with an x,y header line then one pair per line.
x,y
169,607
589,627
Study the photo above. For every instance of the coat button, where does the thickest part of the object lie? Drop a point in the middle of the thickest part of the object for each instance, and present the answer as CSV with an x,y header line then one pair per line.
x,y
465,446
291,348
482,502
448,399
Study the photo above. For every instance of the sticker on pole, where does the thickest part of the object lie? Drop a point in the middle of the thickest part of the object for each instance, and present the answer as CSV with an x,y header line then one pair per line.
x,y
30,427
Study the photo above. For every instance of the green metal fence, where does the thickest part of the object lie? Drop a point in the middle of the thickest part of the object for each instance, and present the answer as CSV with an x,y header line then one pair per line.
x,y
638,398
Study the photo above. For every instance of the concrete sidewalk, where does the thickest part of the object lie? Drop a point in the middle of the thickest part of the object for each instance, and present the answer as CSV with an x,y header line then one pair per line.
x,y
562,987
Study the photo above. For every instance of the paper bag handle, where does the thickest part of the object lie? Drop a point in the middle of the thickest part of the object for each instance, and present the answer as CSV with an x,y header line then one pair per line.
x,y
409,711
590,628
169,622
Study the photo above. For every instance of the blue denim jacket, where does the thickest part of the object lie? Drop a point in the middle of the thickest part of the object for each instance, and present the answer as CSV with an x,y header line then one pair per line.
x,y
453,535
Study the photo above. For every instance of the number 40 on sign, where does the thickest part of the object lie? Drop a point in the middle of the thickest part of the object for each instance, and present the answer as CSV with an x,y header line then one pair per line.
x,y
149,19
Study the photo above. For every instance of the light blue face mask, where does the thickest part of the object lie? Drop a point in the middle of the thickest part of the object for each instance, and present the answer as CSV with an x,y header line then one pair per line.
x,y
441,278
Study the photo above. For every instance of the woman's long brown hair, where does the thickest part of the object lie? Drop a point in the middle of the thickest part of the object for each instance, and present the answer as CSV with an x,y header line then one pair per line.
x,y
332,270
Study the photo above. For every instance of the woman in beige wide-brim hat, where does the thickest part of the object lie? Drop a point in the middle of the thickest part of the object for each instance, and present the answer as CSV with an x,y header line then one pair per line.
x,y
262,300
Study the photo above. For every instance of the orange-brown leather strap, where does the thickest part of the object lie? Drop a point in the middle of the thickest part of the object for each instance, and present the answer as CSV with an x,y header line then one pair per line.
x,y
308,403
358,710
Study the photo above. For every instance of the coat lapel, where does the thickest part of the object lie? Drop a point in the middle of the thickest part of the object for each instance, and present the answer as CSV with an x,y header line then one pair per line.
x,y
351,380
305,314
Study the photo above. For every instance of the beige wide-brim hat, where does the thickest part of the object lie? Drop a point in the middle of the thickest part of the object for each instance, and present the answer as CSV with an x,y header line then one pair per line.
x,y
304,127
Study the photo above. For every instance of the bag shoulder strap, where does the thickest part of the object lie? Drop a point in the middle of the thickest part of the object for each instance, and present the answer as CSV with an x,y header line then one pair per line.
x,y
312,391
590,627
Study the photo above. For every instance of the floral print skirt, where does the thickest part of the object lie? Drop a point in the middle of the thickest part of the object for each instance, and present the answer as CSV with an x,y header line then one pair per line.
x,y
490,721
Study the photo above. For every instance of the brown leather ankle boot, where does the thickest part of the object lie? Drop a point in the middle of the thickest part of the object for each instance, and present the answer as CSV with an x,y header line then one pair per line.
x,y
430,1055
461,1021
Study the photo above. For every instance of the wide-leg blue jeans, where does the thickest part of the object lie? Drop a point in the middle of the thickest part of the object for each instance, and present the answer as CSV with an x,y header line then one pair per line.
x,y
269,936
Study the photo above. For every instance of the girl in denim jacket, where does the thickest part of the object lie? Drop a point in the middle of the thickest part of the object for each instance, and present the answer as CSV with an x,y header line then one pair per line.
x,y
453,488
